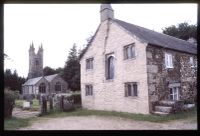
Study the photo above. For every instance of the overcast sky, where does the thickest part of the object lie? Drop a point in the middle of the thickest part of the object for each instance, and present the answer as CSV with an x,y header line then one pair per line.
x,y
59,26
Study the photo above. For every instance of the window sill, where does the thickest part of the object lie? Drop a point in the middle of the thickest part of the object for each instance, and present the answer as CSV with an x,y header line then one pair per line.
x,y
132,97
130,59
109,80
169,67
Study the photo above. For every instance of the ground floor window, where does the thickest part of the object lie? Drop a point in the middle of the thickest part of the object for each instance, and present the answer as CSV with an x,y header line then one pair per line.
x,y
131,89
58,86
88,90
174,93
42,88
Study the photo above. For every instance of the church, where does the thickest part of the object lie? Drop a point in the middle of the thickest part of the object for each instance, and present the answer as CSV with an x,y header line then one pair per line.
x,y
37,83
128,68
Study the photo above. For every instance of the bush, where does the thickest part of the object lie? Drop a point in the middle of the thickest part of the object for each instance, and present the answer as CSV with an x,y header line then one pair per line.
x,y
9,101
17,94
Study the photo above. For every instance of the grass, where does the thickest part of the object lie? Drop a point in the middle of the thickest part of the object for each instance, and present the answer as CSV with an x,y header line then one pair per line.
x,y
141,117
15,123
35,105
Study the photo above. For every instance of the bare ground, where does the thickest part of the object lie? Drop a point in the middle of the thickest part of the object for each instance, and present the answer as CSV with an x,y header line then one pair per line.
x,y
107,123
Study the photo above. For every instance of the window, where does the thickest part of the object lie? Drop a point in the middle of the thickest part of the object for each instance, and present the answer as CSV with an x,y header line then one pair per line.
x,y
36,62
89,63
168,60
174,93
58,86
191,61
42,88
131,89
129,51
110,66
88,90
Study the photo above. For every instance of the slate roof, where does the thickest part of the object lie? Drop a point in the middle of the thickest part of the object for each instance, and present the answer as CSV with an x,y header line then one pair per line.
x,y
34,81
159,39
154,38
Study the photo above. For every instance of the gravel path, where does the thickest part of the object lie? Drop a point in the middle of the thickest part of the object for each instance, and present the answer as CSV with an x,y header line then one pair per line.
x,y
107,123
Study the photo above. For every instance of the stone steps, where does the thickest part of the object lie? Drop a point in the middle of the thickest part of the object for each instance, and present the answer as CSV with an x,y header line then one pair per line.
x,y
160,113
164,109
166,103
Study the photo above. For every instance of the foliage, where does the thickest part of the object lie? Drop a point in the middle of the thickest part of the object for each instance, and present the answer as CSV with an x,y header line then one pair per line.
x,y
71,72
182,31
13,81
48,71
15,123
9,100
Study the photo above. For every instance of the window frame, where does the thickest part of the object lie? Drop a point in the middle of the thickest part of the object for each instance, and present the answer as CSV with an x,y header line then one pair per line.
x,y
191,61
129,51
110,74
169,60
89,63
131,89
42,88
58,85
88,90
174,93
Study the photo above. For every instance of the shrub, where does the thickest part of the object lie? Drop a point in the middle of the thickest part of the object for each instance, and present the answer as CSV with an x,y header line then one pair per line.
x,y
9,101
17,94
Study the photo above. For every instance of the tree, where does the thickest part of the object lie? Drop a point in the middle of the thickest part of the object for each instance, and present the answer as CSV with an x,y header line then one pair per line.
x,y
12,80
182,31
49,71
71,71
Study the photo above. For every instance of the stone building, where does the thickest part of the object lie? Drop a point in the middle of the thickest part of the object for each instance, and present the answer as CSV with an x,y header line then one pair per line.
x,y
129,68
37,83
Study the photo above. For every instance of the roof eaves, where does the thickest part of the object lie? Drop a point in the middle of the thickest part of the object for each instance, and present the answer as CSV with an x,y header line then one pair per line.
x,y
88,45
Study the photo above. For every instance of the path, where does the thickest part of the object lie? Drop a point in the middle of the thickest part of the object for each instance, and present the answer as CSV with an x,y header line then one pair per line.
x,y
107,123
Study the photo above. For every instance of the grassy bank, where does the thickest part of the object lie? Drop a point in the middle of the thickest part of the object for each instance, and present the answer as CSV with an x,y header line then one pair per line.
x,y
142,117
15,123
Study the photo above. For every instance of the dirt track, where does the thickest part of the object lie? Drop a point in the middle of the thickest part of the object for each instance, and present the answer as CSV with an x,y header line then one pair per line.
x,y
107,123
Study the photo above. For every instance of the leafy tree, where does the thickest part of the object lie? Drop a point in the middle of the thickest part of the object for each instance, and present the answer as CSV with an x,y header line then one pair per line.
x,y
49,71
182,31
71,71
12,80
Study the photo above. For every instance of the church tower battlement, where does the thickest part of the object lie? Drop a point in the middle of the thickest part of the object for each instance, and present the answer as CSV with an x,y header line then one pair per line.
x,y
35,62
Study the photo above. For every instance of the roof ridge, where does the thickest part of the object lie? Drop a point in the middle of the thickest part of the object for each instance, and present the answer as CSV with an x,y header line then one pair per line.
x,y
154,31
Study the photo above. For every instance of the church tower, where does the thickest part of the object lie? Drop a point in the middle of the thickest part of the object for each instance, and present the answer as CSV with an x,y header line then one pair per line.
x,y
35,62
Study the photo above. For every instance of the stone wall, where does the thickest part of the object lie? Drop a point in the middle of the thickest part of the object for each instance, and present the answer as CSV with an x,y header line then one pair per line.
x,y
160,77
110,94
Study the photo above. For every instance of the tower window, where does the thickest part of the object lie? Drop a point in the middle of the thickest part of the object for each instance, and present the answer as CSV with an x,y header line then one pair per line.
x,y
36,62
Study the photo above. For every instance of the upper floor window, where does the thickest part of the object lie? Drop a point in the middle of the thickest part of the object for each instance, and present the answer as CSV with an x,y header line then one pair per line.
x,y
129,51
110,66
58,86
89,63
88,90
168,60
131,89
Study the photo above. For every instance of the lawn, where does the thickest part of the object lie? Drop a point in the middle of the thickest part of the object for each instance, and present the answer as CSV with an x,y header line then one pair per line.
x,y
35,105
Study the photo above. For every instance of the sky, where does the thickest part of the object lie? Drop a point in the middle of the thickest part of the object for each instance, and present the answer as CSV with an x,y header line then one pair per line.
x,y
59,26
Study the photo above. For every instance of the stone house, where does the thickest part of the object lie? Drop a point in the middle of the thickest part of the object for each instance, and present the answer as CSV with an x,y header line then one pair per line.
x,y
129,68
37,83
